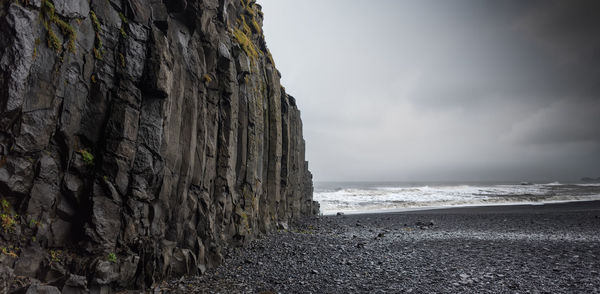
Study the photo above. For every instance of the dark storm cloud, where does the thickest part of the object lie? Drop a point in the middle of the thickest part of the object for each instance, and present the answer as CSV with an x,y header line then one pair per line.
x,y
565,121
568,32
443,90
567,29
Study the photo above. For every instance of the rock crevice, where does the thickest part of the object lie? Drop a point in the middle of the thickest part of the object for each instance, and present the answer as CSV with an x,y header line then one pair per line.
x,y
140,138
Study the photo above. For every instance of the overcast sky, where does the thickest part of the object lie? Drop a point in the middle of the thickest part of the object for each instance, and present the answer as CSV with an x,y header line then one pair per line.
x,y
420,90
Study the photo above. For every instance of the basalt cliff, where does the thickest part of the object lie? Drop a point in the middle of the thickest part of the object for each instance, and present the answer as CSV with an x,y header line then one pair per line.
x,y
138,139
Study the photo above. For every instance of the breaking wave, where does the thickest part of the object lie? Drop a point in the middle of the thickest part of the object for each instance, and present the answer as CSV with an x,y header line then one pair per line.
x,y
363,198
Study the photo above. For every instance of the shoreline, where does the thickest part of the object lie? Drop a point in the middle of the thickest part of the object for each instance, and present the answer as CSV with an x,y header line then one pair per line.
x,y
518,248
474,205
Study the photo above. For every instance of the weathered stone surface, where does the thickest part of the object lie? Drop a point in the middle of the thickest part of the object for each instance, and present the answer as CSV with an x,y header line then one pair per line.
x,y
162,137
42,289
72,8
30,262
75,285
16,175
7,276
16,49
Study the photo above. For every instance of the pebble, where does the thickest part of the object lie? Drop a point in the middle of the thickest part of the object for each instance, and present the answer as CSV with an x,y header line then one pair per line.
x,y
341,256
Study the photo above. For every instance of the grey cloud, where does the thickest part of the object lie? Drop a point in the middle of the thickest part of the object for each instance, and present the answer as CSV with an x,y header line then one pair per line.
x,y
434,90
566,29
564,121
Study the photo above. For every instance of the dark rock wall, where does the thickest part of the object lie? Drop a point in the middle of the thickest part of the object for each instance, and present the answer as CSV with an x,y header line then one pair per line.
x,y
139,138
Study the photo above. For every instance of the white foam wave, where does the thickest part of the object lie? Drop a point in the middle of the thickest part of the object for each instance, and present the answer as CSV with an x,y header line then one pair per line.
x,y
390,197
553,184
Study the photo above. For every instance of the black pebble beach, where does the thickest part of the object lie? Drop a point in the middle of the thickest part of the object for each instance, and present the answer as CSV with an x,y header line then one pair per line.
x,y
552,248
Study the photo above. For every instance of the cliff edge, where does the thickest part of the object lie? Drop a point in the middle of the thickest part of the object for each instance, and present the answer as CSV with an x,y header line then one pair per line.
x,y
139,138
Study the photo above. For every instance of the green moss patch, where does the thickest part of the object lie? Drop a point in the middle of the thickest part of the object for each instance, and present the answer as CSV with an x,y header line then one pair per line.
x,y
246,44
88,157
122,59
50,17
98,51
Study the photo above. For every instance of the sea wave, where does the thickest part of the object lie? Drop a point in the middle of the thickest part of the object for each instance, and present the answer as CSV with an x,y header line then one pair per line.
x,y
553,184
348,199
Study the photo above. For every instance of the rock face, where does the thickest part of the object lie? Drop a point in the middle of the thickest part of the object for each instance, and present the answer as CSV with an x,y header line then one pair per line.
x,y
139,138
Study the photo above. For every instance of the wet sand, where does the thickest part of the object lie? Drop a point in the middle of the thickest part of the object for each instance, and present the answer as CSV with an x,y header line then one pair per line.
x,y
552,248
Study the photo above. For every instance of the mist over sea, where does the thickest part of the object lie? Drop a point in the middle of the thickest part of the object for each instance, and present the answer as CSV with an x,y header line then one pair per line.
x,y
349,197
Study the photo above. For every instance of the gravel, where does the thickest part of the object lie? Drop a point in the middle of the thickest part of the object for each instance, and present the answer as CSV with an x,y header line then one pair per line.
x,y
551,248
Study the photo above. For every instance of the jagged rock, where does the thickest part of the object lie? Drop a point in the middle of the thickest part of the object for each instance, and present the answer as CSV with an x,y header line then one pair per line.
x,y
75,285
127,270
16,175
6,278
72,8
16,50
282,226
425,225
154,132
105,273
29,262
42,289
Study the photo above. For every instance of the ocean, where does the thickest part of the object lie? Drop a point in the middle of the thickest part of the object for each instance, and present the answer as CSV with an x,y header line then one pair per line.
x,y
361,197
